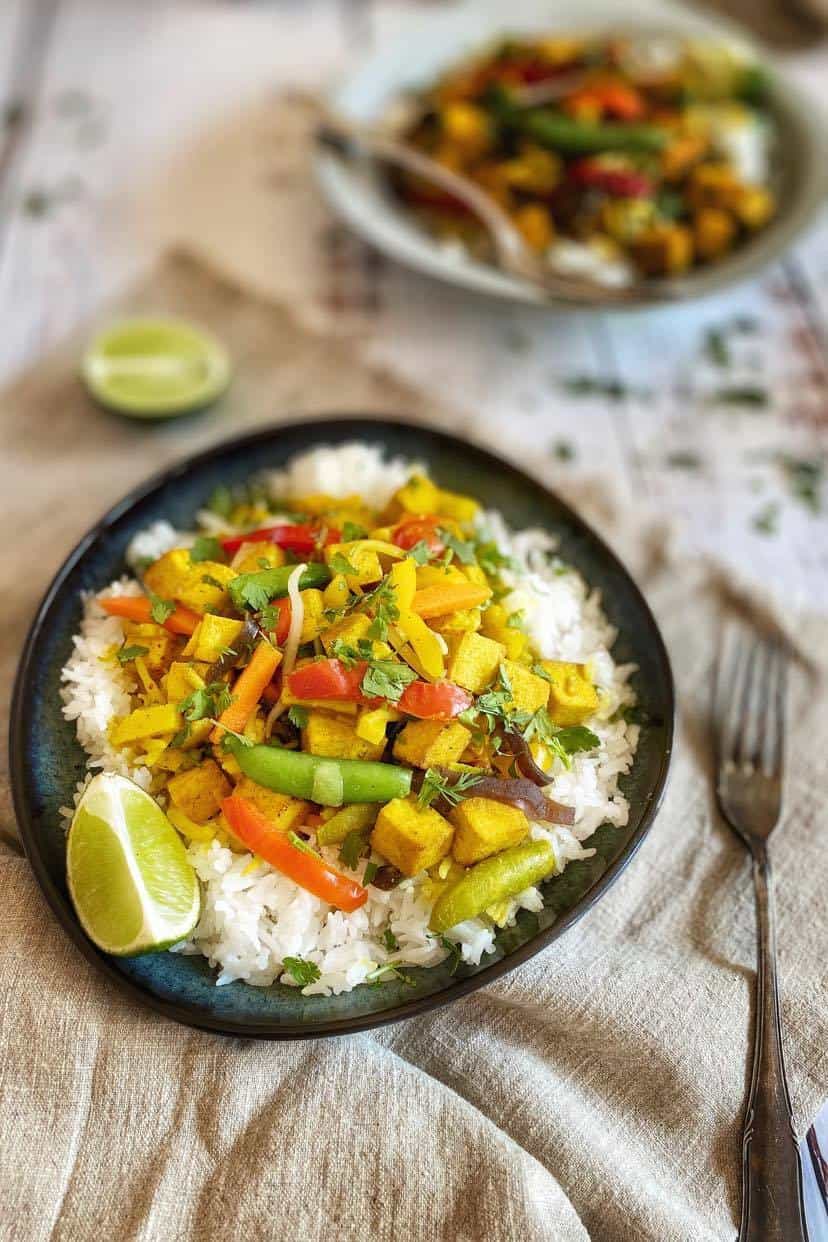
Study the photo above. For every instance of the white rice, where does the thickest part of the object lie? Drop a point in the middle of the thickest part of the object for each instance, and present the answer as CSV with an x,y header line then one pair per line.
x,y
252,916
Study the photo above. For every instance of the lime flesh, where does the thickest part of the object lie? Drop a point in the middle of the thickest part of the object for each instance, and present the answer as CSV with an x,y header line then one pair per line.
x,y
155,368
133,888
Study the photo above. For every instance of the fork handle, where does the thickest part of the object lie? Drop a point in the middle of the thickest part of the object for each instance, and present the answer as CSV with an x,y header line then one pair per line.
x,y
771,1170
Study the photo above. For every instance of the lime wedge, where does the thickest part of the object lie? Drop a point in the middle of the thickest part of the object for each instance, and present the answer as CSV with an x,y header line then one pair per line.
x,y
133,887
155,368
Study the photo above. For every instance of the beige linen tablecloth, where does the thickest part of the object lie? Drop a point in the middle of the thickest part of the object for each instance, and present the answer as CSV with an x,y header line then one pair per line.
x,y
595,1092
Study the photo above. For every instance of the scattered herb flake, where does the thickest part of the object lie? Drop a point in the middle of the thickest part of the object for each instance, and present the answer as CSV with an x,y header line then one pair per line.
x,y
563,450
371,869
390,941
206,548
683,459
160,609
435,785
386,679
353,848
766,521
298,716
125,654
301,970
206,703
352,531
340,564
742,394
716,348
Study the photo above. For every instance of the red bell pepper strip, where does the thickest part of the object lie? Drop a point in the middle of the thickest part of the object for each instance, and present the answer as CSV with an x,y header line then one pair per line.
x,y
330,679
304,867
139,608
438,700
300,538
620,182
414,530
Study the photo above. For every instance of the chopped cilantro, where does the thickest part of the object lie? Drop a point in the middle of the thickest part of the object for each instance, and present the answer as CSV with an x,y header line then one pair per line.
x,y
181,736
340,564
766,521
390,941
206,548
125,654
451,947
211,581
684,459
715,347
491,560
160,609
383,602
207,702
301,970
298,716
391,970
562,450
435,785
371,869
421,552
353,847
540,671
386,679
742,394
246,592
516,620
804,478
352,531
461,548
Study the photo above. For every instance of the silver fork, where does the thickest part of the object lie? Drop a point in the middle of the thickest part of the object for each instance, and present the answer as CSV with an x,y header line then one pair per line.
x,y
749,712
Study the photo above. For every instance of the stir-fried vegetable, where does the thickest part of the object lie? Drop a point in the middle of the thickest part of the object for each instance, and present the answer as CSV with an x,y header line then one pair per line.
x,y
300,538
289,855
248,690
491,881
255,591
142,609
330,782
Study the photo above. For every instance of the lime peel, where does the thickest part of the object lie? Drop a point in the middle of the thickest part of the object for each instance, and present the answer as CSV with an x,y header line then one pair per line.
x,y
131,883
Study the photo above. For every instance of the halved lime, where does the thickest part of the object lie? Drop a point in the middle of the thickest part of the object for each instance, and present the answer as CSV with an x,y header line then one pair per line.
x,y
154,368
132,884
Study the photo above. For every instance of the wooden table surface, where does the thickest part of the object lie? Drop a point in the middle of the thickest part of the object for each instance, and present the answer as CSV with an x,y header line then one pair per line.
x,y
130,124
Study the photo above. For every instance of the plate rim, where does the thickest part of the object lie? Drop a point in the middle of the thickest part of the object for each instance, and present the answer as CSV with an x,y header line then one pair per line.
x,y
327,423
339,184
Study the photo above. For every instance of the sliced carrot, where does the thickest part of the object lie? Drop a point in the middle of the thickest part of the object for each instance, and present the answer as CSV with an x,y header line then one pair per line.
x,y
139,608
248,689
437,601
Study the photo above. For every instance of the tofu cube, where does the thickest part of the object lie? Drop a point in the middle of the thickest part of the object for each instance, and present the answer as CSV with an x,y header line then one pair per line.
x,y
213,635
430,743
484,827
572,696
161,645
199,591
419,495
259,556
199,792
529,692
169,573
410,837
146,722
364,562
336,738
284,812
473,660
453,505
457,622
351,630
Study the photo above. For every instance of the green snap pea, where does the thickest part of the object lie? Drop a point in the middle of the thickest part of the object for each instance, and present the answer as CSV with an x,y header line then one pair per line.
x,y
350,819
330,782
563,133
493,880
254,591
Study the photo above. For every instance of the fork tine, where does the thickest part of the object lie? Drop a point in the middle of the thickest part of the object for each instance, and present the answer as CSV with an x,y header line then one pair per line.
x,y
774,743
729,676
748,714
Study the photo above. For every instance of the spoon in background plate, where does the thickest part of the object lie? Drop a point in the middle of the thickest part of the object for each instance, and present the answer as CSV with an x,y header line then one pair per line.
x,y
351,140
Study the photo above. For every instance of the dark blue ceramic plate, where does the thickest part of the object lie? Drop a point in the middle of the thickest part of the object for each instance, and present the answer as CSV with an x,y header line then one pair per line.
x,y
47,760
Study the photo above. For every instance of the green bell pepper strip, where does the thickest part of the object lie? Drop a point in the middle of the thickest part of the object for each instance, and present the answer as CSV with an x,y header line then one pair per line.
x,y
253,591
351,818
330,782
493,880
563,133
